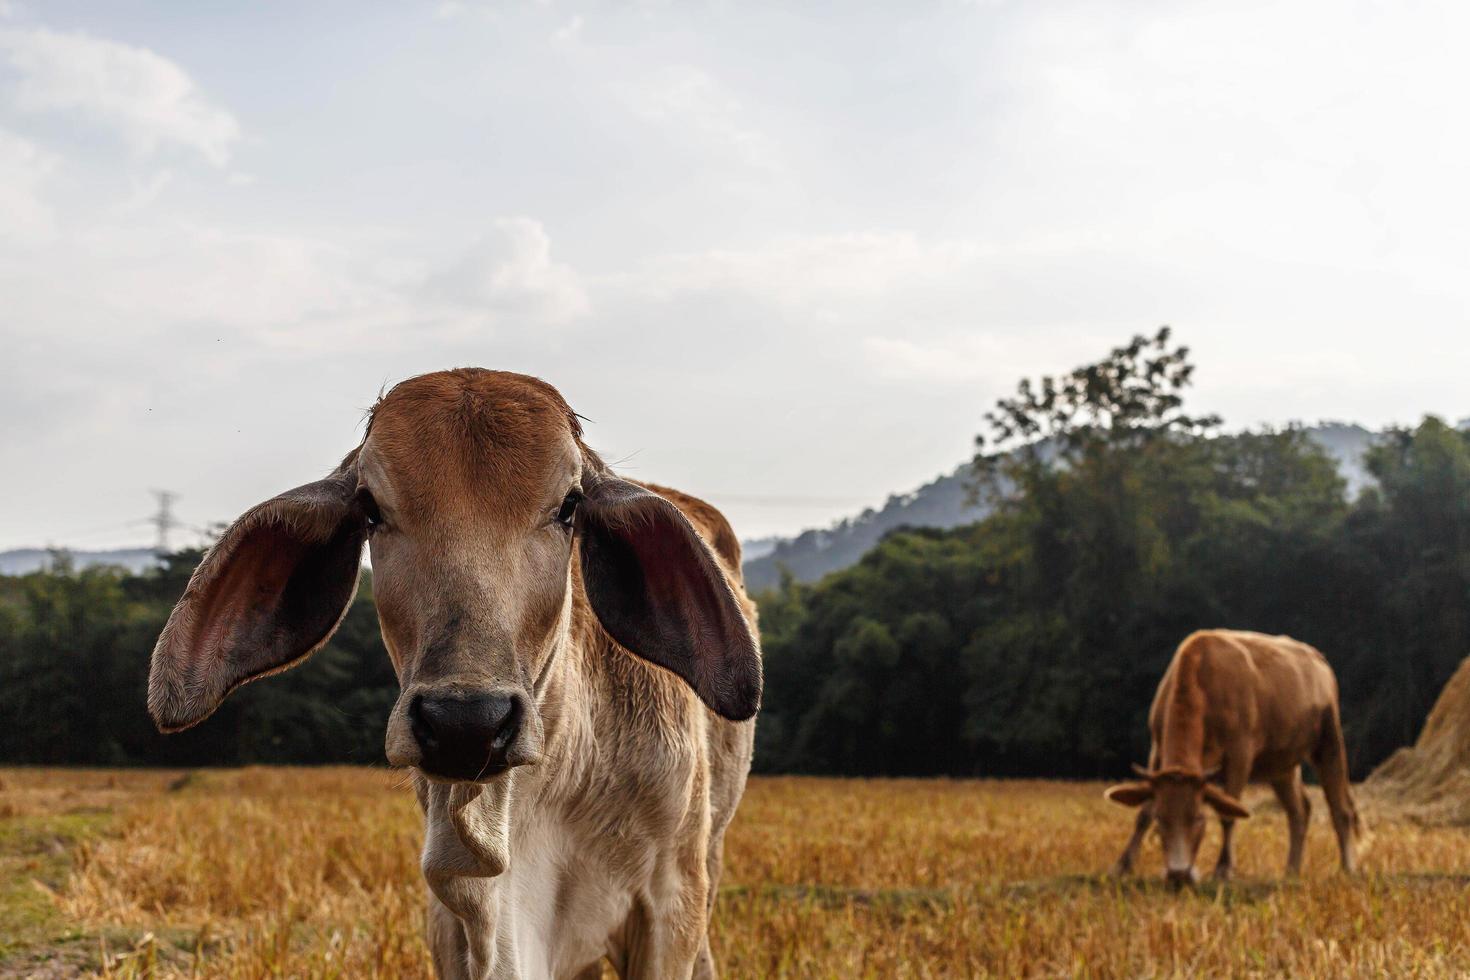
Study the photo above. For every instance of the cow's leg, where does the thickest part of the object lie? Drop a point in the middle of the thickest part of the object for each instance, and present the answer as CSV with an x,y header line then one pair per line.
x,y
447,944
1225,866
1130,852
704,963
1298,807
1237,775
664,936
1330,760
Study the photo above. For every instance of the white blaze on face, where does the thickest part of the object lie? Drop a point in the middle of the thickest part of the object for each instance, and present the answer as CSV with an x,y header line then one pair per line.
x,y
1179,852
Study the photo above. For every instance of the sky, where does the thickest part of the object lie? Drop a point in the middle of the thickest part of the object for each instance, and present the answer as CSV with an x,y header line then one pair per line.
x,y
783,256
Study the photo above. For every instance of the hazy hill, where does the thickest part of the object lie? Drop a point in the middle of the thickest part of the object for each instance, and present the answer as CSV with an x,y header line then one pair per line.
x,y
21,561
815,552
942,503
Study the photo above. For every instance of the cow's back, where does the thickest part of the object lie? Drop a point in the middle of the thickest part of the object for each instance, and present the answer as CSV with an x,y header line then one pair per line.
x,y
1272,691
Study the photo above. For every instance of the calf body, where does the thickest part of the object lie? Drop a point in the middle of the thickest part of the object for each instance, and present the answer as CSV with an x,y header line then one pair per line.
x,y
614,839
1234,708
577,660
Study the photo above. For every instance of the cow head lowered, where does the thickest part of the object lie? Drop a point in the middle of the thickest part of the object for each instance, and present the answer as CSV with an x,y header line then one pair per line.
x,y
1177,798
486,519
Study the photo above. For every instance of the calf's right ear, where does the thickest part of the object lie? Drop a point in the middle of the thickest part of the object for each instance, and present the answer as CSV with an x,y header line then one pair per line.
x,y
270,592
1130,794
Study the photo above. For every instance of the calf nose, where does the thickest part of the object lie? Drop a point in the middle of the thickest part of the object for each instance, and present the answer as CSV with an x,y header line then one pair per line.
x,y
465,736
1178,879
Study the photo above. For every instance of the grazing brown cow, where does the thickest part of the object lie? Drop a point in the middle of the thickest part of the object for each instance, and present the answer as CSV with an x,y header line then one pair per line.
x,y
1238,707
554,629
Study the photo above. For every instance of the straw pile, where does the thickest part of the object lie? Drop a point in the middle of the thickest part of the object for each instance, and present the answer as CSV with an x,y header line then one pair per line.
x,y
1430,782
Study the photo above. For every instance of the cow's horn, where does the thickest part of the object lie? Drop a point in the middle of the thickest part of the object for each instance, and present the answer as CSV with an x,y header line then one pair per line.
x,y
1141,771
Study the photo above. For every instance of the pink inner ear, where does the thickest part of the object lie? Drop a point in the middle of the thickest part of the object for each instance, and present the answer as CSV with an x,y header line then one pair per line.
x,y
659,592
271,592
247,592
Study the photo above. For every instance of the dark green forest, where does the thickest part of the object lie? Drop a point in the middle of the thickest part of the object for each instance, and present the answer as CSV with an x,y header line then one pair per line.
x,y
1027,644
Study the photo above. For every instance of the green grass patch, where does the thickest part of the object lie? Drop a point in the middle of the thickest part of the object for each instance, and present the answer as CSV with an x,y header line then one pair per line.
x,y
35,860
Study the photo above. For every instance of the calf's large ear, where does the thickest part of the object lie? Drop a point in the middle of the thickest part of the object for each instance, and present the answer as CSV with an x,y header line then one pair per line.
x,y
659,592
268,594
1224,803
1130,794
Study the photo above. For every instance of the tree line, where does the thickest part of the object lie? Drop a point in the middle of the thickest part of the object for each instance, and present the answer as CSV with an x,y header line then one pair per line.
x,y
74,654
1029,643
1032,642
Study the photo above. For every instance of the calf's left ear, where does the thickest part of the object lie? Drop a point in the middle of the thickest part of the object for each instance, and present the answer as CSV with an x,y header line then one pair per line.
x,y
1130,794
1225,804
659,592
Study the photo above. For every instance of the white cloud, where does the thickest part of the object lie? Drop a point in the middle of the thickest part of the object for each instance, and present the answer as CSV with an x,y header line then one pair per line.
x,y
147,98
809,271
690,104
144,193
986,360
569,32
24,166
510,274
152,277
962,357
215,279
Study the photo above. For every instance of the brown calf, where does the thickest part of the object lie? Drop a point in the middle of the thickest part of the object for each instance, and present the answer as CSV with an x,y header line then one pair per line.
x,y
1242,707
554,629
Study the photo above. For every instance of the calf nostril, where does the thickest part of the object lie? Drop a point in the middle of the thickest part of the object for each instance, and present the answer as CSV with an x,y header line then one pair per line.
x,y
421,722
508,725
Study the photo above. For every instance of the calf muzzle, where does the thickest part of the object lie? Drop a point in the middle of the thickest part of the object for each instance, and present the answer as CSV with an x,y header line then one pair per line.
x,y
465,737
1179,879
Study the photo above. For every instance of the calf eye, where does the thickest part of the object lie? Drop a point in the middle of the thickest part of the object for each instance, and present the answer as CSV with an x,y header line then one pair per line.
x,y
568,508
369,506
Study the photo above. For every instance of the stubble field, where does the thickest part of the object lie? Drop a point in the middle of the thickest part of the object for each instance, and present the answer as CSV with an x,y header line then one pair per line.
x,y
314,873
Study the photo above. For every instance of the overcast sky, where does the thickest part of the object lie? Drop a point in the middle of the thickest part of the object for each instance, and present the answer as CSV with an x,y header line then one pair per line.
x,y
783,259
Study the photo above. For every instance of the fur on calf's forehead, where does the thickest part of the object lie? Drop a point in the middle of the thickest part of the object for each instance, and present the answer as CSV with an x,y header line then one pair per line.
x,y
1178,774
492,430
464,394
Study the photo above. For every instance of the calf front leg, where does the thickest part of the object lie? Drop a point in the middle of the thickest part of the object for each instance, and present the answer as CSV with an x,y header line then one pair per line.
x,y
1225,866
1130,852
664,938
1237,775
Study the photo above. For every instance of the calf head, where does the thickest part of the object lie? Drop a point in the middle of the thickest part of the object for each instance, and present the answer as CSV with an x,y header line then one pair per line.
x,y
484,515
1178,798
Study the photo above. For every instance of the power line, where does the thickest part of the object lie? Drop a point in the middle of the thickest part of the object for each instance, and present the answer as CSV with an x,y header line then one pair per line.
x,y
164,521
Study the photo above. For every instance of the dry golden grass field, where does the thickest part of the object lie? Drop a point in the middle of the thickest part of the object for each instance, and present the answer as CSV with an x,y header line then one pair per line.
x,y
314,873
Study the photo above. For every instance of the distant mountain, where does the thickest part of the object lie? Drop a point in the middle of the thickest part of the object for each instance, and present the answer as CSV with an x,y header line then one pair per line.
x,y
753,548
1346,444
22,561
813,553
943,503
